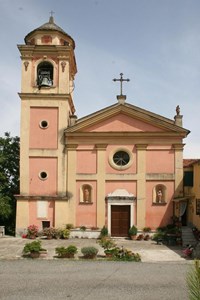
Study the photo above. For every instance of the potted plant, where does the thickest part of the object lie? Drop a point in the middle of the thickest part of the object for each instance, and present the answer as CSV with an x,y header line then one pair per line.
x,y
69,226
146,231
32,231
48,232
33,249
89,252
65,233
133,232
140,237
104,231
108,245
67,252
83,228
57,234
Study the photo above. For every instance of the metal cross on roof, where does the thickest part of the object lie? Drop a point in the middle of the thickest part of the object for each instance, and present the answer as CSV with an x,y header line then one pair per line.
x,y
121,79
51,13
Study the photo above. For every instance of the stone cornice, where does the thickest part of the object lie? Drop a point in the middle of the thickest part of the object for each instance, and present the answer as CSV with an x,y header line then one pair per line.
x,y
126,134
40,198
141,146
101,146
166,125
71,146
47,97
178,146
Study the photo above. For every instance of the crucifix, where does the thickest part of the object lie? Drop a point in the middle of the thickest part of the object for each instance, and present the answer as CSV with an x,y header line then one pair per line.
x,y
121,79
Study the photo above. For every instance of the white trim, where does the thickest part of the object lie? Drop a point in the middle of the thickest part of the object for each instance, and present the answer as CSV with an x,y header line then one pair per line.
x,y
131,203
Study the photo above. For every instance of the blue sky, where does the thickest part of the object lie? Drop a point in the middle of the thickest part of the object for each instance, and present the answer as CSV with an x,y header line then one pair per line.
x,y
155,43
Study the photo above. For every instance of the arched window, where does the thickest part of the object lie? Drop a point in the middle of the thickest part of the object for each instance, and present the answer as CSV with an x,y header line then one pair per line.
x,y
44,74
86,193
159,194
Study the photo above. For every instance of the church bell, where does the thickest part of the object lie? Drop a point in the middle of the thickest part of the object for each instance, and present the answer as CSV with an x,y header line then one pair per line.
x,y
44,79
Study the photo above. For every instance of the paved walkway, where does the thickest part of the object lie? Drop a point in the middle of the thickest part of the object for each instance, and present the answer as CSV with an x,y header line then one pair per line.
x,y
11,248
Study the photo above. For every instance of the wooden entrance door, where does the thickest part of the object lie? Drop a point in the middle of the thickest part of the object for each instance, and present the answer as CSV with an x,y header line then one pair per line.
x,y
120,220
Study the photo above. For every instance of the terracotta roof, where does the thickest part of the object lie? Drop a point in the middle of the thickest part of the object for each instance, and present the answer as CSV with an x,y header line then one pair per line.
x,y
190,162
49,26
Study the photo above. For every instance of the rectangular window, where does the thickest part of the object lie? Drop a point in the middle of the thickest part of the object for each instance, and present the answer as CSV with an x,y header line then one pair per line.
x,y
41,209
188,178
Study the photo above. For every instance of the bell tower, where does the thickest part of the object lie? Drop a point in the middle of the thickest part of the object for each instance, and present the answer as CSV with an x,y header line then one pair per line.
x,y
48,71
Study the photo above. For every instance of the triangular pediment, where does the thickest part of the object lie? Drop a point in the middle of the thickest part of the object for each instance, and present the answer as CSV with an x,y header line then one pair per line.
x,y
125,118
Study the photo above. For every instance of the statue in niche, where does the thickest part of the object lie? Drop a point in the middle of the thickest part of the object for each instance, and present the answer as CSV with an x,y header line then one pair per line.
x,y
159,196
86,194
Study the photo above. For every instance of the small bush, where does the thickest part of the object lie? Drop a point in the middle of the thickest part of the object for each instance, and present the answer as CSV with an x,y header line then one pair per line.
x,y
106,243
146,229
69,226
32,231
89,252
104,232
133,230
83,228
126,255
34,246
66,252
65,233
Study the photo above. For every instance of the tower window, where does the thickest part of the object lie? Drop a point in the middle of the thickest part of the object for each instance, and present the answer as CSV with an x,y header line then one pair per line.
x,y
45,74
44,124
43,175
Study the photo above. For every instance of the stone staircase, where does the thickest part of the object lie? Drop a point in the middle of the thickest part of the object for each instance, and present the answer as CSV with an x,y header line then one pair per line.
x,y
188,236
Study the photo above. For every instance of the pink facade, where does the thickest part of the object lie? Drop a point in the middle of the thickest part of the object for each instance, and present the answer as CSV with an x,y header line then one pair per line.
x,y
33,213
43,136
160,161
86,161
158,215
86,212
38,184
122,123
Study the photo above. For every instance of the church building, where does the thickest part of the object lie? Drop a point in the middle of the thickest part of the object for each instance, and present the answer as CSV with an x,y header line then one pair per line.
x,y
119,166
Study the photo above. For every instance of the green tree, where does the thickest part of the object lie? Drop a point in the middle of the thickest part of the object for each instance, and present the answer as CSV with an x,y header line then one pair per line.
x,y
9,180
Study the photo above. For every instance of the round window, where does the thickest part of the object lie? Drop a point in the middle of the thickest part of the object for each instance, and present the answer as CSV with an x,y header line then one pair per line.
x,y
43,175
44,124
121,158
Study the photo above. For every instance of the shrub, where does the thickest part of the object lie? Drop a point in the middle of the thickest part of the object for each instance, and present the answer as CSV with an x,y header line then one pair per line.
x,y
94,228
126,255
65,233
146,229
34,246
57,233
133,230
89,252
49,232
106,243
32,231
83,228
66,252
69,226
104,231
